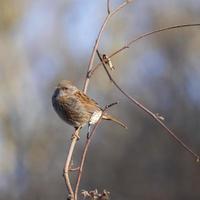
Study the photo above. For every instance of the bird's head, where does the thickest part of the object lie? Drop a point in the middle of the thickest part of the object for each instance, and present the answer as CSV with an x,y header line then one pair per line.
x,y
65,88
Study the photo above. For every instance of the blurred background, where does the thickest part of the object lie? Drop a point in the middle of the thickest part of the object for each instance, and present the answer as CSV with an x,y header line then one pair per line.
x,y
42,42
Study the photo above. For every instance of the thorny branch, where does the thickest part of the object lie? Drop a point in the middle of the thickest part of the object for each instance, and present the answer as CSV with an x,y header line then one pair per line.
x,y
142,37
154,116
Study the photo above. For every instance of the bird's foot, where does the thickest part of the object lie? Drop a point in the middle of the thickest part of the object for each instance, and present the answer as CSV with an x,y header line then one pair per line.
x,y
76,134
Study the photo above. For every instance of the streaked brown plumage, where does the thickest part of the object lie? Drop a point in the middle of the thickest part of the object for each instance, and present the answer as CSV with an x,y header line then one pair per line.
x,y
76,108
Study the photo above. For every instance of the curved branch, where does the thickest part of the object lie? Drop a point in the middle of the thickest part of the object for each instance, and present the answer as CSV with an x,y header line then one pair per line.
x,y
142,37
146,110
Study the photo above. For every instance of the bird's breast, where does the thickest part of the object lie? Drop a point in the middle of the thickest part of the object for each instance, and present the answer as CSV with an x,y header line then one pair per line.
x,y
95,117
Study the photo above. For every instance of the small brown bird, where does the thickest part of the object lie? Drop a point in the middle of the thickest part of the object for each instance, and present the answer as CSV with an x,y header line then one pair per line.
x,y
76,108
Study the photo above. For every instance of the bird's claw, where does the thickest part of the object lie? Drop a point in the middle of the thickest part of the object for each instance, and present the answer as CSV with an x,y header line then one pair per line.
x,y
75,135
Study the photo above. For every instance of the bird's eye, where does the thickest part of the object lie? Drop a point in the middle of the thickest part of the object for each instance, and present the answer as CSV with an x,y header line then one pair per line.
x,y
65,88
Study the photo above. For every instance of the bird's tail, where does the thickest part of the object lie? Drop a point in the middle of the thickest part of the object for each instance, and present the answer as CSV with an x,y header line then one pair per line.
x,y
110,117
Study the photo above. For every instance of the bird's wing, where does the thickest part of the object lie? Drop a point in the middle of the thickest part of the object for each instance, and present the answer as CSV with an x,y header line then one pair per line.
x,y
90,104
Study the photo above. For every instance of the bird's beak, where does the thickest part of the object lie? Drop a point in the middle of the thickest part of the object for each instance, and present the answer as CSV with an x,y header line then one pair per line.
x,y
61,93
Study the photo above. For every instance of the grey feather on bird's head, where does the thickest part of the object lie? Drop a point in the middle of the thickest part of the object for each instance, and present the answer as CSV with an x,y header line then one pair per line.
x,y
65,88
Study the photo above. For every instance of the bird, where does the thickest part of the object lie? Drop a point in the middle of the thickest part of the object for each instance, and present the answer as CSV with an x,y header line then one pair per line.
x,y
75,108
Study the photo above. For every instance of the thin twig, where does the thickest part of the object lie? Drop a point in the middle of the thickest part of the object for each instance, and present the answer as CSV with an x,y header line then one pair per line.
x,y
87,79
108,6
67,165
74,169
142,37
154,116
86,149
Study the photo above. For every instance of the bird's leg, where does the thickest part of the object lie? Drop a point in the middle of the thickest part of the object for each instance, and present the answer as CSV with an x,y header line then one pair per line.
x,y
76,133
89,128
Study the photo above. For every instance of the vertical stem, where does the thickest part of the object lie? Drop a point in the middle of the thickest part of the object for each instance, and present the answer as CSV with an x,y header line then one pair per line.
x,y
67,164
